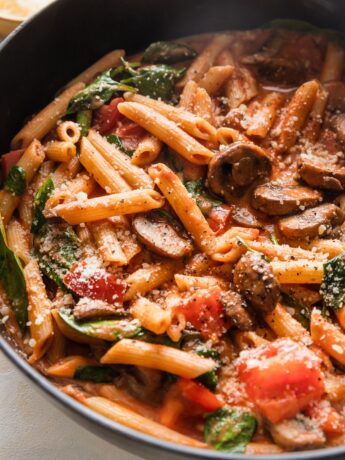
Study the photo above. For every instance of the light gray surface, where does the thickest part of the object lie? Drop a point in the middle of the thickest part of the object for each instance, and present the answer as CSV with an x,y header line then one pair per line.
x,y
31,428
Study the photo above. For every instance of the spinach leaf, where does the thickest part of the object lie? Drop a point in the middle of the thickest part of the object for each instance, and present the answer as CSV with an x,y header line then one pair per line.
x,y
13,280
16,180
84,120
209,379
301,312
274,239
41,197
229,430
97,374
333,287
163,339
114,139
110,330
202,350
167,53
57,249
157,81
201,196
96,94
241,241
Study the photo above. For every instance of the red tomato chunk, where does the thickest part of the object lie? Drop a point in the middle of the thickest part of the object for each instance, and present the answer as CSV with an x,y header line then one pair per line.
x,y
95,283
199,394
107,117
281,378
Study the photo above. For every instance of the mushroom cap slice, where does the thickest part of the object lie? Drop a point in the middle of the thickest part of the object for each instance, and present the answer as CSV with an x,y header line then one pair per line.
x,y
233,170
235,308
313,222
297,433
279,200
159,235
319,174
254,279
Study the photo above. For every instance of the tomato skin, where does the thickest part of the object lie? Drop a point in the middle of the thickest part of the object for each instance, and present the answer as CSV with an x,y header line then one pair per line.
x,y
98,284
204,311
330,421
219,218
281,378
8,160
199,394
130,133
107,116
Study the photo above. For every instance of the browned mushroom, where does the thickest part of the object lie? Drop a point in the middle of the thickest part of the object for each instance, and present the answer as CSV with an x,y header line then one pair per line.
x,y
338,125
297,433
316,172
88,308
157,233
336,91
279,200
254,279
246,218
235,308
143,383
312,222
233,170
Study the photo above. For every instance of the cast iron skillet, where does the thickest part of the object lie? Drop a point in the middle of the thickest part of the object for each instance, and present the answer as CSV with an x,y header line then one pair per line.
x,y
53,47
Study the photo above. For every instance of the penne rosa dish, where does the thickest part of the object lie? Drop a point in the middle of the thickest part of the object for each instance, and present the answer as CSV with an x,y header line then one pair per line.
x,y
172,240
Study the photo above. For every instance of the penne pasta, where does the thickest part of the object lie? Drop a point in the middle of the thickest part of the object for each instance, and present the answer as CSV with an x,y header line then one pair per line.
x,y
18,240
68,131
314,123
215,78
327,336
187,96
108,245
66,367
188,283
66,171
284,325
147,151
61,151
240,88
298,271
265,114
151,315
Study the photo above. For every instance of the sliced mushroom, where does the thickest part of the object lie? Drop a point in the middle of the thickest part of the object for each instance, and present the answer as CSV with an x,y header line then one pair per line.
x,y
244,217
254,279
88,308
297,433
312,222
336,90
233,170
143,383
317,173
157,233
279,200
235,308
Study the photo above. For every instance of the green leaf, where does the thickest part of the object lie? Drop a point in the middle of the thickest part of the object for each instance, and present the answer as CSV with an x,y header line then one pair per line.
x,y
110,330
274,239
96,374
13,280
57,249
84,120
241,241
16,180
163,339
41,197
209,379
229,430
301,312
114,139
167,53
203,199
96,94
157,81
333,287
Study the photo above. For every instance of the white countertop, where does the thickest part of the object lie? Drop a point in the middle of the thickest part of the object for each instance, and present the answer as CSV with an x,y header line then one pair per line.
x,y
31,428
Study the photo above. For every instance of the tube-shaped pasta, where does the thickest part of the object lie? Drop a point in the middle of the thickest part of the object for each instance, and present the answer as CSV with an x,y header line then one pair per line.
x,y
168,359
45,120
332,68
41,324
227,136
167,131
184,206
147,151
327,248
102,171
66,171
192,124
61,151
206,58
284,325
296,114
215,78
187,282
108,245
187,95
57,349
240,88
68,131
66,367
327,336
108,61
134,176
18,240
227,241
146,279
314,123
298,271
30,161
203,106
265,114
128,240
90,210
151,315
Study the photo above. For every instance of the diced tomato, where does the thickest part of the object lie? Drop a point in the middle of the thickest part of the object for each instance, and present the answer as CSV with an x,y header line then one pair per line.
x,y
331,422
281,378
199,394
106,118
95,283
130,133
219,218
204,310
10,159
